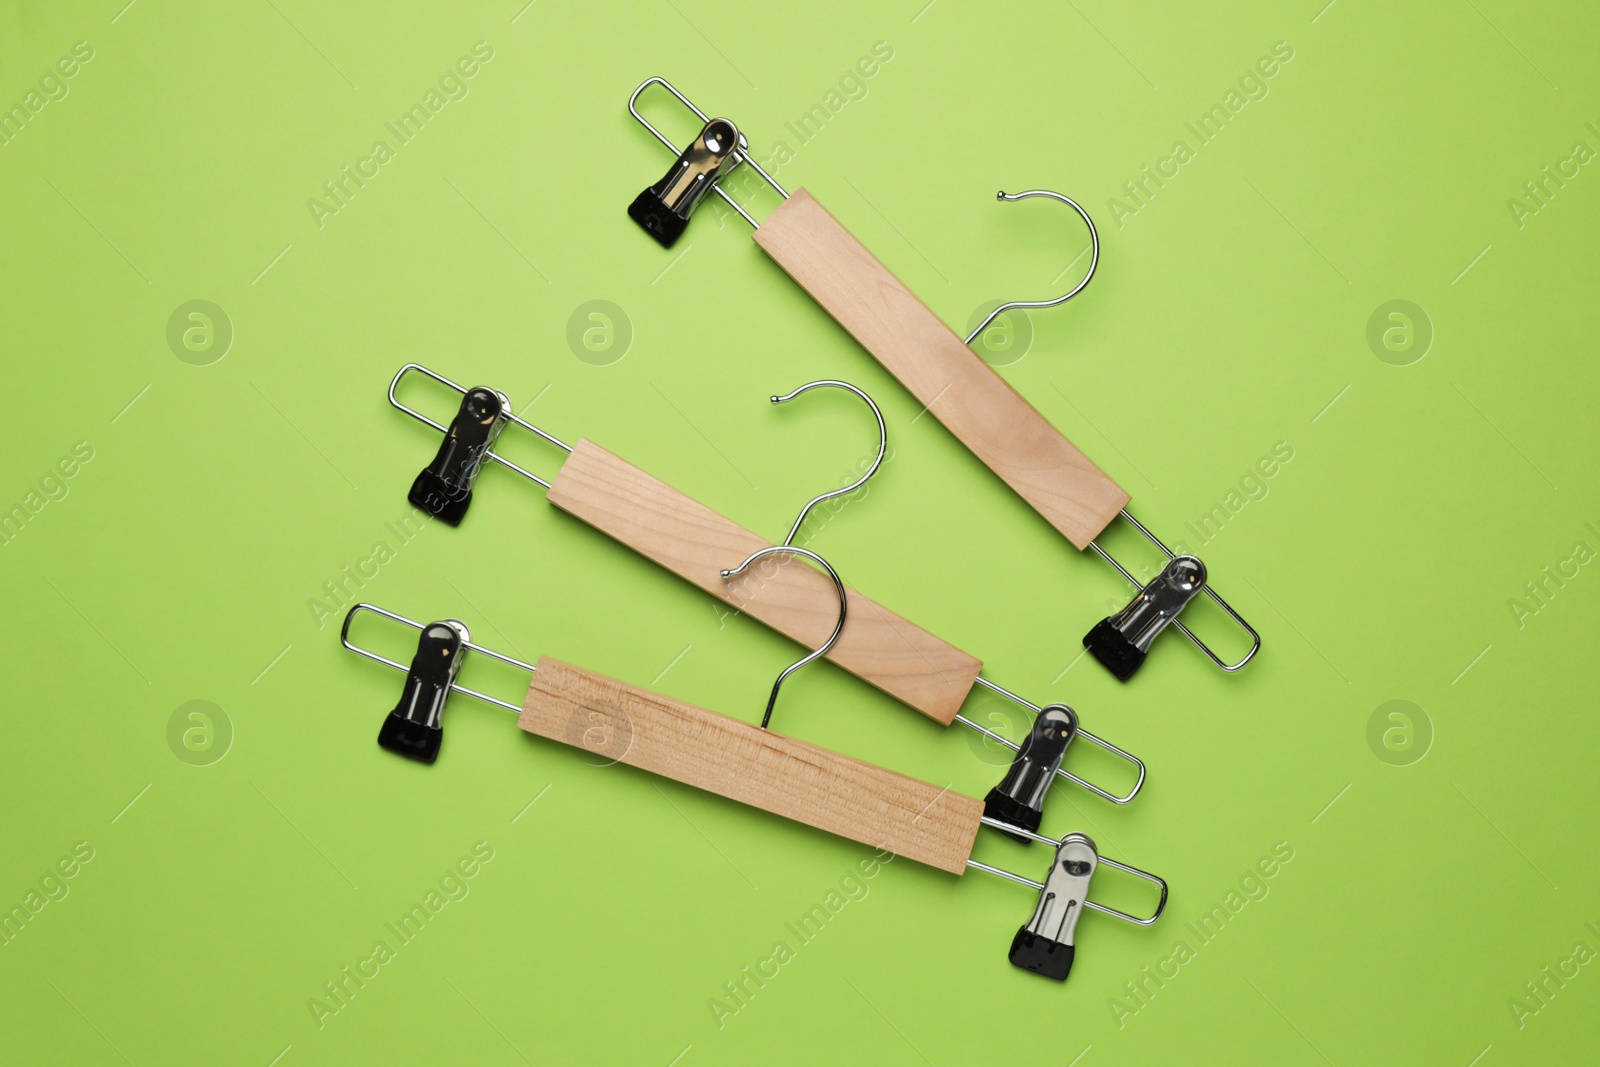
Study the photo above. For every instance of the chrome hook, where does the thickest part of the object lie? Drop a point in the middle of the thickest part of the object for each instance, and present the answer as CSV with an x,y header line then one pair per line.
x,y
832,638
788,546
883,445
1094,259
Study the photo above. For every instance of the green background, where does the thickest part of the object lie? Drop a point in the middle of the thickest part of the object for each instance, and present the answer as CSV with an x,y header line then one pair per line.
x,y
1230,313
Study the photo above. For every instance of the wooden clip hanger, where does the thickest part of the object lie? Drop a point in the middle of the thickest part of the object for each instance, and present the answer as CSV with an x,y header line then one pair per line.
x,y
735,759
1000,427
699,545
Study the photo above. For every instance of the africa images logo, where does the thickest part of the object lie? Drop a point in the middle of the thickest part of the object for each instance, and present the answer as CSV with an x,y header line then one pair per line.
x,y
341,189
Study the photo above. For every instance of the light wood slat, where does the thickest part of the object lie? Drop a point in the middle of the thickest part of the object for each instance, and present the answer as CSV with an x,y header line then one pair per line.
x,y
791,596
976,404
735,759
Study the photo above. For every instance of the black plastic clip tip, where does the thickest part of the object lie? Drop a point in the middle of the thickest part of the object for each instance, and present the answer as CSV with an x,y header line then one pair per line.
x,y
414,728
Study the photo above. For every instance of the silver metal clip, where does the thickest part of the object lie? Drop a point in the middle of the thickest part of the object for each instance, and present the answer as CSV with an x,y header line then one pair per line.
x,y
1121,641
663,209
445,684
1055,764
1019,798
444,488
1046,944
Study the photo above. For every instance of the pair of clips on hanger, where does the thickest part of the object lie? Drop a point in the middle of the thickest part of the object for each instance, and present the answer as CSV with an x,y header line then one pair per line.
x,y
695,542
755,766
1001,428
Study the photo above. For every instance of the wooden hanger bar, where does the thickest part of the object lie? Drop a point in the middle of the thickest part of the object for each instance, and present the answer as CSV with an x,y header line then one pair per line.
x,y
735,759
696,543
976,404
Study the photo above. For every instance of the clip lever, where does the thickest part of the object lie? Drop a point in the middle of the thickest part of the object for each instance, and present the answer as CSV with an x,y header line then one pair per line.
x,y
444,488
663,209
1037,761
1045,945
1121,641
1019,798
413,729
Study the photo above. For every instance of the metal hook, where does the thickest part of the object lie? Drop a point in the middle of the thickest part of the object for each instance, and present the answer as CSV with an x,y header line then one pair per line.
x,y
788,546
1094,259
883,445
832,638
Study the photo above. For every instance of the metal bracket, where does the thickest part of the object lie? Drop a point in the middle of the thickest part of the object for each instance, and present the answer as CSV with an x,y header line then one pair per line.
x,y
1118,649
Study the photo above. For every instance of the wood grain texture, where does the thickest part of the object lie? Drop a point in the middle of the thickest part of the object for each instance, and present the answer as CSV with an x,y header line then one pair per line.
x,y
975,403
743,762
791,596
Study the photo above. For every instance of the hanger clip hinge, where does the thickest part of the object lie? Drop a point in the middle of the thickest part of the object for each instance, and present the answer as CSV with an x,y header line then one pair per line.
x,y
444,488
414,728
1019,798
1121,641
1045,946
663,209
